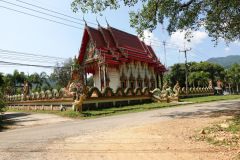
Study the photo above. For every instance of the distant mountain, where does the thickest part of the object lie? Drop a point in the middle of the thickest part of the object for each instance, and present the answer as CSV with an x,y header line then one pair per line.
x,y
226,62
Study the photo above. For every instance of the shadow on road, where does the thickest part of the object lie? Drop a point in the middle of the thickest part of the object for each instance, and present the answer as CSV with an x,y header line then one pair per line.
x,y
229,111
6,120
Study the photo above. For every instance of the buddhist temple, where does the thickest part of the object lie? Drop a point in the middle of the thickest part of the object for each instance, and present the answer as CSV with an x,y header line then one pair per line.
x,y
119,59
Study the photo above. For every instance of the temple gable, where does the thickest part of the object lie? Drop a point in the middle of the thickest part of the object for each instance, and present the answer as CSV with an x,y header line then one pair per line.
x,y
119,59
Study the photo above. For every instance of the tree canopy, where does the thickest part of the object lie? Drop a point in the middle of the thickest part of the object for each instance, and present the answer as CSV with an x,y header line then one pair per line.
x,y
61,74
220,18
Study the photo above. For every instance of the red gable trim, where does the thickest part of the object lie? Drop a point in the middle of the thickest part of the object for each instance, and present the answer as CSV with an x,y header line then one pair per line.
x,y
83,45
117,46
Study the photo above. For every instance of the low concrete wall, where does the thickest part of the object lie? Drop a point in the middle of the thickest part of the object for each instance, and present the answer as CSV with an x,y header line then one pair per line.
x,y
92,103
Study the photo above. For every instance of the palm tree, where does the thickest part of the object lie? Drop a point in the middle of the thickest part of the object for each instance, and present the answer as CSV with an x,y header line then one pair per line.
x,y
234,74
39,80
15,79
203,78
192,78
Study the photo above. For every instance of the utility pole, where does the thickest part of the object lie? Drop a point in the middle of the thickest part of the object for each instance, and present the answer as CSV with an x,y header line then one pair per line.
x,y
186,67
164,46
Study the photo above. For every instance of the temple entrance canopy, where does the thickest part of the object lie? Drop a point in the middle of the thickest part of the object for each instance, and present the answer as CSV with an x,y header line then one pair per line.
x,y
118,59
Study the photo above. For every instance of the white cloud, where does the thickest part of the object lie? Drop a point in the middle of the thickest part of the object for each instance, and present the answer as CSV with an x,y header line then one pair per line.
x,y
150,38
237,43
178,38
226,49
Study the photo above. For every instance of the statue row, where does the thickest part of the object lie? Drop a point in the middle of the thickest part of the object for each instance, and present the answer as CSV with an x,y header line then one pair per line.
x,y
92,92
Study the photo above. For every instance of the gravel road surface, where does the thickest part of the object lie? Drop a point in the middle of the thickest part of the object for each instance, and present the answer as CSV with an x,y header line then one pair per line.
x,y
18,142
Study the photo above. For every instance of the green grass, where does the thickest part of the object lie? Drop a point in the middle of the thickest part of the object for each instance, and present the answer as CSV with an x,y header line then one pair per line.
x,y
134,108
210,98
230,135
104,112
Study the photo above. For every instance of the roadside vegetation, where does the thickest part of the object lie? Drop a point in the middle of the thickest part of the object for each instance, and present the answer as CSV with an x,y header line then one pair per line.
x,y
105,112
134,108
224,133
211,98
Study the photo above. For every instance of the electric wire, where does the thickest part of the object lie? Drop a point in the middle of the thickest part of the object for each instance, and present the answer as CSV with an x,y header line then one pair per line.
x,y
41,12
55,12
30,65
152,41
31,54
41,18
155,42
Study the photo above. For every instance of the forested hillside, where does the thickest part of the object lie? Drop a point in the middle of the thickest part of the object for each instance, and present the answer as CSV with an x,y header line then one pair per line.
x,y
226,62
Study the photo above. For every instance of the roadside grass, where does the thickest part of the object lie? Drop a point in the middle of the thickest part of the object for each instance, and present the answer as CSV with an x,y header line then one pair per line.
x,y
104,112
131,109
211,98
224,133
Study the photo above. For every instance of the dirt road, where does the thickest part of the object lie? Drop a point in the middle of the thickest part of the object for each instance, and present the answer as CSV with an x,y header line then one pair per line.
x,y
158,134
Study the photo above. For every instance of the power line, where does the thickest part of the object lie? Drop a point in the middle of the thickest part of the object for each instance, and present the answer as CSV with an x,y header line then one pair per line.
x,y
41,18
30,65
8,51
55,12
154,41
41,12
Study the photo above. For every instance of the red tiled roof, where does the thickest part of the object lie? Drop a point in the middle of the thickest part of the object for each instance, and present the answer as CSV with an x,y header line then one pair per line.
x,y
127,40
114,44
97,38
108,37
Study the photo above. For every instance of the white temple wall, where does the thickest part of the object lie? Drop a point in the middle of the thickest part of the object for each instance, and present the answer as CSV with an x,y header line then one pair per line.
x,y
114,76
134,68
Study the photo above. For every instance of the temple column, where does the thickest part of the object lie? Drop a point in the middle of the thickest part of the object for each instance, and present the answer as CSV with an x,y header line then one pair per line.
x,y
105,76
157,79
85,73
100,79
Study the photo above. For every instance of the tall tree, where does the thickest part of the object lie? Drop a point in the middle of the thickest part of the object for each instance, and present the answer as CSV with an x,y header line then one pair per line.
x,y
15,80
61,74
202,78
214,69
220,18
177,73
192,78
234,73
39,80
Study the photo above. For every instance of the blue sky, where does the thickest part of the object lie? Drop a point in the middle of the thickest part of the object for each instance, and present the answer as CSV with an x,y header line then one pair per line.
x,y
23,33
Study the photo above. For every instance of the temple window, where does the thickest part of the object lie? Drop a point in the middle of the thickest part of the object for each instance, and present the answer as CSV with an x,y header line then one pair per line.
x,y
140,84
152,80
146,84
132,81
153,86
132,84
139,80
123,84
146,80
123,80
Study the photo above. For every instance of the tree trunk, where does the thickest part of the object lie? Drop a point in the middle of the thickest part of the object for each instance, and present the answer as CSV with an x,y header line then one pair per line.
x,y
237,87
